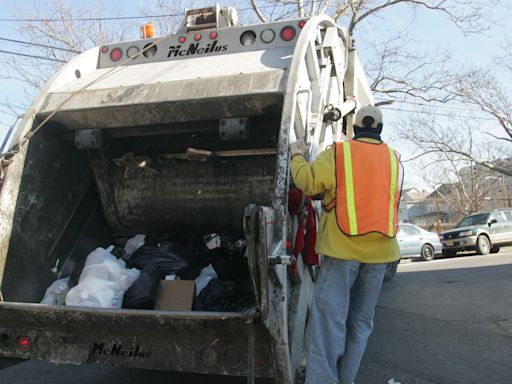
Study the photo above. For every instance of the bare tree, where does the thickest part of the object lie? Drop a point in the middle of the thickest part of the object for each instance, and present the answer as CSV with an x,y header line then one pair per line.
x,y
398,67
483,90
172,11
459,186
484,134
469,15
55,31
397,72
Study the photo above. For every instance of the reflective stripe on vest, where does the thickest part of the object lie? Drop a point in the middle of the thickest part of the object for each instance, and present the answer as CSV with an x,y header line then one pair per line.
x,y
367,188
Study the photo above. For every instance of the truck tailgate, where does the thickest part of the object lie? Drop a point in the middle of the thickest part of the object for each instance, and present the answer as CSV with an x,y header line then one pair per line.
x,y
206,342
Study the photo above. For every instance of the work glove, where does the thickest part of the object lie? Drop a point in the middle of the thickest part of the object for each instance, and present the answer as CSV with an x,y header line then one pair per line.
x,y
299,148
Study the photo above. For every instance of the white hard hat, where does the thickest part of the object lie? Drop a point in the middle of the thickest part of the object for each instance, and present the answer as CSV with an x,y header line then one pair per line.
x,y
368,117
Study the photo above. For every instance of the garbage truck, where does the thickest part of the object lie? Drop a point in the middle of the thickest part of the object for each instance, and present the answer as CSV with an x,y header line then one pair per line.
x,y
184,133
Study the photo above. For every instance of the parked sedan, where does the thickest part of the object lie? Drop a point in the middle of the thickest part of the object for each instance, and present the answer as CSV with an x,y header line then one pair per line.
x,y
416,242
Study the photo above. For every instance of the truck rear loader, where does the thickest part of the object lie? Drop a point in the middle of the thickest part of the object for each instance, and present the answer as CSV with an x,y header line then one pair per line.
x,y
108,150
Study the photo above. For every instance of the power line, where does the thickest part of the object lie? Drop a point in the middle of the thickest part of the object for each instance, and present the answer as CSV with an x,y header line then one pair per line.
x,y
39,45
424,104
437,114
121,17
93,18
33,56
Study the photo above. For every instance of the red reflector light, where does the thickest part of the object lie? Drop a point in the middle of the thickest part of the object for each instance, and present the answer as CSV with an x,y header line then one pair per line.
x,y
116,54
302,23
104,49
213,35
197,37
259,361
182,39
287,33
24,343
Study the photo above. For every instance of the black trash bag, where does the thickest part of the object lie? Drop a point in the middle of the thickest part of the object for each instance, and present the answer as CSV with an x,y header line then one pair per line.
x,y
224,296
169,255
142,294
228,260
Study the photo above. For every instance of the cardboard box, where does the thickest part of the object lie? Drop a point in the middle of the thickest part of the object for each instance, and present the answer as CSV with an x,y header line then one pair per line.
x,y
175,295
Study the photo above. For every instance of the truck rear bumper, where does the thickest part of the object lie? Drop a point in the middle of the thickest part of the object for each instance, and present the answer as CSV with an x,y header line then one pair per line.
x,y
203,342
460,244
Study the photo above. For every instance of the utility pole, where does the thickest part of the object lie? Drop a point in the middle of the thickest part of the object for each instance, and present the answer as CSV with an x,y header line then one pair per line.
x,y
437,211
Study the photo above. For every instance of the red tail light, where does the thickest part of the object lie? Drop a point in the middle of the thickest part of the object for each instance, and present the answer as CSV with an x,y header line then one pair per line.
x,y
116,54
260,361
213,35
24,343
288,33
182,39
302,23
104,49
197,37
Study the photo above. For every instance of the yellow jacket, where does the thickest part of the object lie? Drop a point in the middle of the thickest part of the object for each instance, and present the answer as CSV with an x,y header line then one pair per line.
x,y
320,177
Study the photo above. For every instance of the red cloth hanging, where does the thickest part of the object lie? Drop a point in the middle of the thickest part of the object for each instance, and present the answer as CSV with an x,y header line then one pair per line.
x,y
311,257
294,204
294,200
305,238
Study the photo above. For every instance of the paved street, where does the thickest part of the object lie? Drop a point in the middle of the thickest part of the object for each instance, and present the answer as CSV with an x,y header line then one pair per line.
x,y
448,321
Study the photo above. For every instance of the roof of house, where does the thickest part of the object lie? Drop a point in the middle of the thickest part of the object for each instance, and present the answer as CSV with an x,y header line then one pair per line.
x,y
413,194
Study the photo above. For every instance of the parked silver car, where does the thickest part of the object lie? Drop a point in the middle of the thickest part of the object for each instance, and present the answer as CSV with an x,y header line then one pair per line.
x,y
417,242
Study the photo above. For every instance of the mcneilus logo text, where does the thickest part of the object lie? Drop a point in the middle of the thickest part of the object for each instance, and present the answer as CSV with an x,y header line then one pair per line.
x,y
196,49
119,350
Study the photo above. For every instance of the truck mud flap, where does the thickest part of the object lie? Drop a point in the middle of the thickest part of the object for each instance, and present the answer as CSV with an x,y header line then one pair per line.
x,y
202,342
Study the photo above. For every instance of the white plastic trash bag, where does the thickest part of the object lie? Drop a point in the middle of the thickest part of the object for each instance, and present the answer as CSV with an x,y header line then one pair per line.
x,y
134,243
95,293
207,273
103,281
99,255
109,270
56,293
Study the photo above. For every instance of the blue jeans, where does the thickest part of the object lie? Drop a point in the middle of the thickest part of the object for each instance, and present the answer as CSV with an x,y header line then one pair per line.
x,y
341,319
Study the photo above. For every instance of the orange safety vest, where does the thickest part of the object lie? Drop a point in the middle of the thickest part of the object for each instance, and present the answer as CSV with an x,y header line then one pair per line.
x,y
368,188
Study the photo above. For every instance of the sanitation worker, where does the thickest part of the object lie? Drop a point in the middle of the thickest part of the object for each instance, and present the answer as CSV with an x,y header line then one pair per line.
x,y
361,181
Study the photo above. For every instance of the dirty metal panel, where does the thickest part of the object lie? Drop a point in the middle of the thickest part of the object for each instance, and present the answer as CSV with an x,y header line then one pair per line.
x,y
183,197
205,342
165,102
55,179
214,108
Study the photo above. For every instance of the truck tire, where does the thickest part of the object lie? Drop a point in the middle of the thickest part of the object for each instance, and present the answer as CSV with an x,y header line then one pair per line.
x,y
427,252
391,270
483,245
495,249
